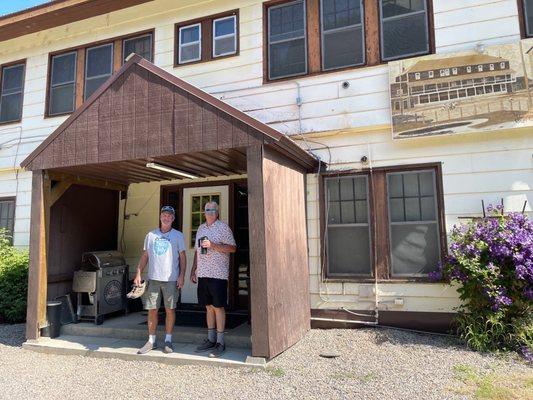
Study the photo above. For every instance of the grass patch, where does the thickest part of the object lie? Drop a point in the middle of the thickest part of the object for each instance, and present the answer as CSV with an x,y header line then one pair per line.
x,y
493,386
275,371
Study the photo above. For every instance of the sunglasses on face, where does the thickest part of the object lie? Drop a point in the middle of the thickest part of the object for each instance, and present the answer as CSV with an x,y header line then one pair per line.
x,y
210,211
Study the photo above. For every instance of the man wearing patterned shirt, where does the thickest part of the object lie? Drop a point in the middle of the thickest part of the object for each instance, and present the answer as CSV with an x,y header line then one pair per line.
x,y
210,270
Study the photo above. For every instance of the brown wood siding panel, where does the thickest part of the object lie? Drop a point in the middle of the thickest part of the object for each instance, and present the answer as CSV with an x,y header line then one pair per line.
x,y
225,131
259,294
70,145
240,134
372,40
286,252
313,37
181,121
141,113
167,119
91,141
32,323
154,115
380,233
195,124
80,77
116,118
128,121
104,127
81,137
209,127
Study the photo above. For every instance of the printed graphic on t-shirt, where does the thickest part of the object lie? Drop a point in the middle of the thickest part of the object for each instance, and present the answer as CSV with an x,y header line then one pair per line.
x,y
161,246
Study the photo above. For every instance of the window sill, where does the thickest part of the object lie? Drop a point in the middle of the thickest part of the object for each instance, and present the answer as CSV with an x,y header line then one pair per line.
x,y
11,122
178,65
46,116
381,280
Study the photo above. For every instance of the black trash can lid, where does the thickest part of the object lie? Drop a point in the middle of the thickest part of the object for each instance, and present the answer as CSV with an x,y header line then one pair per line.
x,y
53,303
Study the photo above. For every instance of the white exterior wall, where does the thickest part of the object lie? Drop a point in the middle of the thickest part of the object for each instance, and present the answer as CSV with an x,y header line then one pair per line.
x,y
352,122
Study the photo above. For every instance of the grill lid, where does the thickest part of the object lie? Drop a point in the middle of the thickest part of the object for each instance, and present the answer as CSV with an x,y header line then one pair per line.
x,y
94,260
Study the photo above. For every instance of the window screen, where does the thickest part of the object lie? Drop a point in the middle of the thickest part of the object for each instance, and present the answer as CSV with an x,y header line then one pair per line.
x,y
348,229
7,215
342,33
141,45
224,36
11,98
287,53
63,84
414,228
98,67
190,47
404,28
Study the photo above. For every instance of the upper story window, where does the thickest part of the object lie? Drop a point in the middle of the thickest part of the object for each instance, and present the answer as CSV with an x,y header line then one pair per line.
x,y
7,215
404,28
190,43
141,45
502,65
98,67
287,42
525,10
12,92
417,75
430,74
206,39
342,33
224,36
469,69
77,73
454,71
480,68
312,36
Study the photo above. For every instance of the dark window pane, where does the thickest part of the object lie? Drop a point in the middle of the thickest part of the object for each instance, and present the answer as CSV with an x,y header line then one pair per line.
x,y
347,212
12,79
415,248
412,209
396,210
190,52
99,61
427,186
195,204
361,212
62,99
287,58
360,188
391,8
287,22
332,189
395,185
340,13
63,68
11,107
334,213
224,26
346,185
92,85
225,46
528,16
7,216
343,48
190,34
410,184
428,212
141,46
349,250
404,36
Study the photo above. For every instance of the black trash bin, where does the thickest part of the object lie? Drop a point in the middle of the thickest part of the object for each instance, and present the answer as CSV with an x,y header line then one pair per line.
x,y
53,315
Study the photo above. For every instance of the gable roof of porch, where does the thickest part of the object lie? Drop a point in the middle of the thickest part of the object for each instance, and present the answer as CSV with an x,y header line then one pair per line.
x,y
143,114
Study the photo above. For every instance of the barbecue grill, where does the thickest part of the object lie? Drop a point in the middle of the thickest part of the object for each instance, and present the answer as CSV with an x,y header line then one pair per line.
x,y
101,285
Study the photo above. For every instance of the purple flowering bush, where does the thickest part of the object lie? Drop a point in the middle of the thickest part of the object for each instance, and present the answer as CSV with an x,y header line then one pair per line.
x,y
492,261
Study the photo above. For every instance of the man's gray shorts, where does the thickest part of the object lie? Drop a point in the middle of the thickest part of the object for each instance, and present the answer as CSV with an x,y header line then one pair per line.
x,y
157,289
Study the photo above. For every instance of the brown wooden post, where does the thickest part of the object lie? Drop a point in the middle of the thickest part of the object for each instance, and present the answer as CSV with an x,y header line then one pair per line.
x,y
37,279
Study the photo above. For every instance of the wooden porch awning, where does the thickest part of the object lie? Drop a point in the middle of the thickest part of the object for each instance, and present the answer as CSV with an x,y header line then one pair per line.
x,y
144,114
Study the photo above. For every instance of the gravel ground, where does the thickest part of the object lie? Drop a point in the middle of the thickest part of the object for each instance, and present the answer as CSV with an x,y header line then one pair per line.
x,y
373,364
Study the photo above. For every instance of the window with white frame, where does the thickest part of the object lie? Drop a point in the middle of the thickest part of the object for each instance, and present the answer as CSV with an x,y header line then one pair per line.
x,y
11,93
62,96
469,69
287,40
342,33
491,67
454,71
98,67
225,36
430,74
480,68
190,43
198,203
445,72
417,75
502,65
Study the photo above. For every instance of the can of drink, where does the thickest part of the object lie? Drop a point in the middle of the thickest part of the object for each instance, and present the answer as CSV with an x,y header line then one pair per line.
x,y
203,250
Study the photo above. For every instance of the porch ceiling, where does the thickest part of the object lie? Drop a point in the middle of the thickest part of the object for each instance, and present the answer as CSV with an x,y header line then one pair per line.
x,y
144,114
200,164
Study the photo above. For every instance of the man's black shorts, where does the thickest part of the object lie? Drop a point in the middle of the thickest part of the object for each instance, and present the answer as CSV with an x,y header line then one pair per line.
x,y
212,292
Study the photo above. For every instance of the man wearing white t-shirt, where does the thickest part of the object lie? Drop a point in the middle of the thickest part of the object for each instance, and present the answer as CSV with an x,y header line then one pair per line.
x,y
164,252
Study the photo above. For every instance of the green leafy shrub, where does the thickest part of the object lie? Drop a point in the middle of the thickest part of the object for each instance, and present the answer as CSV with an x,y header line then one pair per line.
x,y
13,281
492,260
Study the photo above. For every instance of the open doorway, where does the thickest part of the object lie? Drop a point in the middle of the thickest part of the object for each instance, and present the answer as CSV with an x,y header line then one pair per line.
x,y
189,201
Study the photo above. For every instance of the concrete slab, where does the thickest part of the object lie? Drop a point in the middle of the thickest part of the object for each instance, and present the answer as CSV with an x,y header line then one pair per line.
x,y
126,349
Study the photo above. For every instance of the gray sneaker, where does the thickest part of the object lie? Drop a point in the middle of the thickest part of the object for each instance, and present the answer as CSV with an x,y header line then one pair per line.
x,y
147,347
168,348
206,345
218,350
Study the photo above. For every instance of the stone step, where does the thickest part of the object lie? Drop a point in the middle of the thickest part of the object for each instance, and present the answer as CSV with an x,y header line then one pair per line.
x,y
126,349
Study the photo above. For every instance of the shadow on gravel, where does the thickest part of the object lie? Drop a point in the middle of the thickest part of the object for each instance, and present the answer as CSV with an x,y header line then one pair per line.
x,y
403,337
12,335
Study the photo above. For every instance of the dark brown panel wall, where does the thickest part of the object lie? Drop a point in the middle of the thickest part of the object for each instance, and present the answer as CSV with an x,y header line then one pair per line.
x,y
139,116
278,251
83,219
